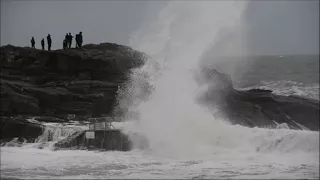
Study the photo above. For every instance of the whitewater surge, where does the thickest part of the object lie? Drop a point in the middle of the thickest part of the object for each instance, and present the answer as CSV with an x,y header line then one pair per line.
x,y
174,124
170,119
56,132
282,154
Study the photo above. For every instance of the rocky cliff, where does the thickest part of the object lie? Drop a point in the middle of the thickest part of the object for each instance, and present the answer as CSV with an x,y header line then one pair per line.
x,y
57,83
257,107
55,86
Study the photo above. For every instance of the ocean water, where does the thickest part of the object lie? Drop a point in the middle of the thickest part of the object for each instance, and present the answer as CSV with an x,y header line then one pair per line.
x,y
184,139
284,75
283,154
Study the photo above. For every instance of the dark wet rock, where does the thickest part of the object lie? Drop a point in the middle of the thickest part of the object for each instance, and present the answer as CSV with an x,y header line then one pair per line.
x,y
82,81
49,119
15,142
52,86
260,90
258,107
19,127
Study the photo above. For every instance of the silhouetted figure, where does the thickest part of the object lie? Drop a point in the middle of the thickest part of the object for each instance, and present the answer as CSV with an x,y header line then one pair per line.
x,y
77,40
70,40
42,43
80,39
67,40
65,44
49,42
33,42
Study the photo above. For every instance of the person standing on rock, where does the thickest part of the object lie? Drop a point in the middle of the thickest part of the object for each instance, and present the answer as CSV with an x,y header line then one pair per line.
x,y
65,44
70,40
33,42
49,42
80,39
77,40
67,40
42,43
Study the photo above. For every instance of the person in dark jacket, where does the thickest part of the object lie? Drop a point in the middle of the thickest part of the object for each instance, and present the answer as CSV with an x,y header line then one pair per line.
x,y
80,39
42,43
77,40
49,41
65,44
70,40
33,42
67,39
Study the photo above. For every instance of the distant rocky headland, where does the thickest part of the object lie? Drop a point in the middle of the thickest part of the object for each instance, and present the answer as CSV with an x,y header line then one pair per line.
x,y
83,82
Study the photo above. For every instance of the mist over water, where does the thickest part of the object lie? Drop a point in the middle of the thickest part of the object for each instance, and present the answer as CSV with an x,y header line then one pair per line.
x,y
170,119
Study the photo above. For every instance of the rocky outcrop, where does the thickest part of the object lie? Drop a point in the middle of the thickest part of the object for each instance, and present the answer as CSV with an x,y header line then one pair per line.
x,y
258,107
82,81
61,85
19,127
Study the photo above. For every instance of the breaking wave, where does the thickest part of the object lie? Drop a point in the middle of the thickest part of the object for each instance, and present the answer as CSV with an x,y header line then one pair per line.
x,y
169,119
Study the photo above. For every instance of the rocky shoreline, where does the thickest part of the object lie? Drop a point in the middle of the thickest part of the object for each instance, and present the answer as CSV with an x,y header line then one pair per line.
x,y
76,84
258,107
60,86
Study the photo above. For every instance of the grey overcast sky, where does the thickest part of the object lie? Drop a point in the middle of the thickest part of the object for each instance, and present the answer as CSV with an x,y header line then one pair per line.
x,y
274,27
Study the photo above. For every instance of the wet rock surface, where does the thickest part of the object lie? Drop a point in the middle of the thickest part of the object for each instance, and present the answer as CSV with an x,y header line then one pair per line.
x,y
258,107
19,127
82,81
59,86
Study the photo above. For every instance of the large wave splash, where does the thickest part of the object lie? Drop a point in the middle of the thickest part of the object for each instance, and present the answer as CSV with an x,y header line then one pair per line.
x,y
169,118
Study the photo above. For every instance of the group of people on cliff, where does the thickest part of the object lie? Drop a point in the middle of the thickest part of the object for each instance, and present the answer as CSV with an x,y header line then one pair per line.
x,y
49,41
67,42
